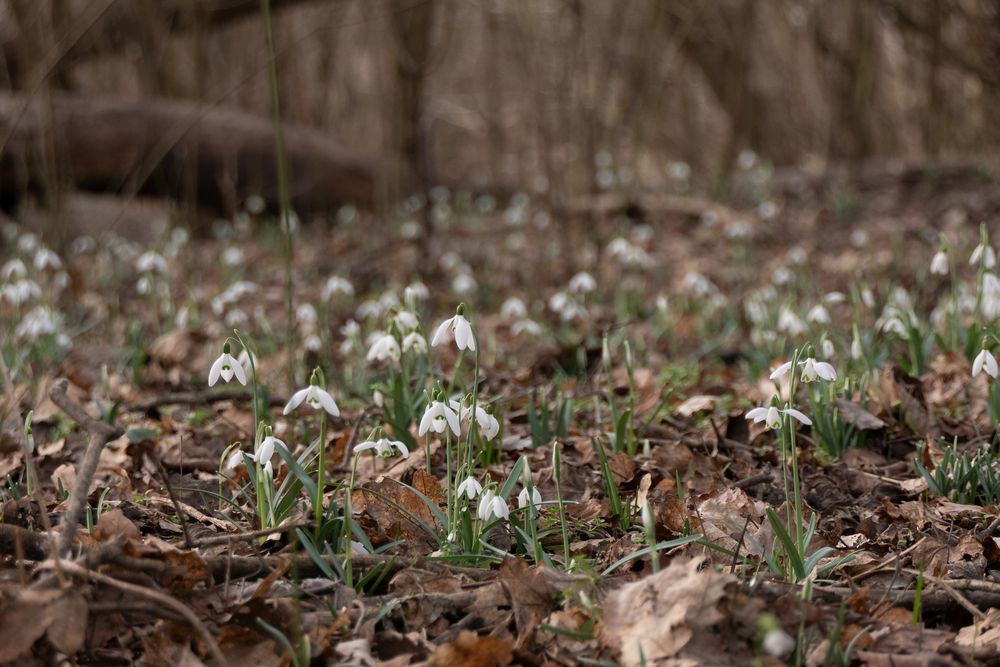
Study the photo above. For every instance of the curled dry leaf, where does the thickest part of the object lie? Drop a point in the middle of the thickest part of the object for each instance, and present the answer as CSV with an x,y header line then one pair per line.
x,y
471,650
654,620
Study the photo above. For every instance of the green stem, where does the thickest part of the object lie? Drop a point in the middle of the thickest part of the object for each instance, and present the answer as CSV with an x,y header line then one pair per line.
x,y
320,474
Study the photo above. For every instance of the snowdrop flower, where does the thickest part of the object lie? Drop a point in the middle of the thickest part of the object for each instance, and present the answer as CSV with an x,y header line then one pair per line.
x,y
384,448
868,297
489,427
834,298
266,450
470,487
46,259
385,347
21,292
306,315
350,329
378,398
857,352
530,327
894,325
771,415
235,459
39,321
406,321
813,370
818,314
698,284
828,350
312,342
456,326
226,366
232,256
438,417
791,323
939,264
463,283
416,291
150,261
582,283
337,285
985,254
315,397
414,341
513,309
492,505
522,498
984,361
15,269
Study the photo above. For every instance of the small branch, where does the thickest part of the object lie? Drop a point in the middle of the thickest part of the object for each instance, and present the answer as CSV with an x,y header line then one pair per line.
x,y
157,597
100,434
198,398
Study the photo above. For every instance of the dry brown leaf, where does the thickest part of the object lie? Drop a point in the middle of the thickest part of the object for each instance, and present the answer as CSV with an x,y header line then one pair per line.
x,y
33,613
651,621
471,650
855,415
695,404
113,523
724,517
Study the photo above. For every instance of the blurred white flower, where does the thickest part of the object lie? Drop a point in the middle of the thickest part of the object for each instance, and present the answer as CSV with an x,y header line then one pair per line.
x,y
385,347
151,262
582,283
513,308
939,264
984,254
337,285
984,361
384,447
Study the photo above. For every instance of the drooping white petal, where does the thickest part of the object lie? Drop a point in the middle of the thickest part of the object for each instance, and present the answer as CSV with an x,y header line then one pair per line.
x,y
326,400
781,370
826,371
798,415
441,333
425,422
757,414
215,371
991,365
241,375
295,401
452,418
404,451
977,363
364,446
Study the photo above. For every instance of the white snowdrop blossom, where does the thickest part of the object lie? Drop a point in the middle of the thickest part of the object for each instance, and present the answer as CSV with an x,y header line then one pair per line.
x,y
985,254
414,341
530,327
438,417
984,361
151,262
828,350
265,452
513,309
457,327
813,370
416,291
21,291
315,397
226,366
235,459
582,283
232,256
385,347
522,498
406,321
13,269
489,426
771,416
857,352
306,315
337,285
492,505
791,323
939,264
470,487
383,447
818,314
463,283
46,259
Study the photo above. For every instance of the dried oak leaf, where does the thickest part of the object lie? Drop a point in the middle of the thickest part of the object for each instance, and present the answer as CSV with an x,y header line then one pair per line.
x,y
472,650
532,592
62,614
653,620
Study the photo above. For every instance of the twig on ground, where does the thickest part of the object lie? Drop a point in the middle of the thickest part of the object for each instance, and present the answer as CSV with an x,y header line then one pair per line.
x,y
100,434
158,598
173,499
229,538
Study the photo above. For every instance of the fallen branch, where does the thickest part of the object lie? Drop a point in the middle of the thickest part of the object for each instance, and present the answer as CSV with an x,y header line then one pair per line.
x,y
155,596
100,434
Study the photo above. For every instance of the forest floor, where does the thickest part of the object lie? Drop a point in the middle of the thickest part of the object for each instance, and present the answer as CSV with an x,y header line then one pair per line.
x,y
625,509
